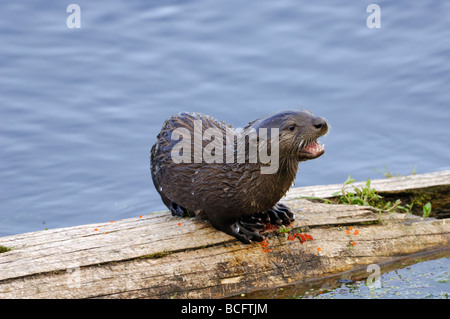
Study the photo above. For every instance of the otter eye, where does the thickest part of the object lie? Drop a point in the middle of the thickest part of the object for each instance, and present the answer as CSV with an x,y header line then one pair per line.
x,y
291,128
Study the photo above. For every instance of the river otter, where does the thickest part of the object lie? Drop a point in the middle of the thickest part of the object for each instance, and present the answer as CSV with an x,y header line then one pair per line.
x,y
222,179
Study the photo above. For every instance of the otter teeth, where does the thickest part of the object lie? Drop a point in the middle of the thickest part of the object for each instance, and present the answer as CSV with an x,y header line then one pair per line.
x,y
314,147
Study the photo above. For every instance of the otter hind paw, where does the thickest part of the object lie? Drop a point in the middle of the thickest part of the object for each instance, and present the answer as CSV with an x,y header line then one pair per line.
x,y
179,211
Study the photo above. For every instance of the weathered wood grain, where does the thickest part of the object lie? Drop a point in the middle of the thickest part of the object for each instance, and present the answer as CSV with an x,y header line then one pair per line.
x,y
155,257
386,185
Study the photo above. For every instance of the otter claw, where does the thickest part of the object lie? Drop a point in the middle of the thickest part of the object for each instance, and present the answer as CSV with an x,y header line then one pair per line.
x,y
249,232
281,214
260,218
244,232
274,217
247,229
252,225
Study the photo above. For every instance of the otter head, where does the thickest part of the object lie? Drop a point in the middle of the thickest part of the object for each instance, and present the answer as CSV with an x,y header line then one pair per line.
x,y
298,133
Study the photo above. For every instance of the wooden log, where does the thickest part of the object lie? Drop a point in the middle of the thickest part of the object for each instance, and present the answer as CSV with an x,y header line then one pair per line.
x,y
386,185
160,256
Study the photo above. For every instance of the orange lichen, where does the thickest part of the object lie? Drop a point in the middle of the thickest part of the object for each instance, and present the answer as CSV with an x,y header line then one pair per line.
x,y
264,244
302,237
354,233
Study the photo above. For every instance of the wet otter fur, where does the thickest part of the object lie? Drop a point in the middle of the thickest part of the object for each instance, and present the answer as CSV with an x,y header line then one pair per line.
x,y
235,197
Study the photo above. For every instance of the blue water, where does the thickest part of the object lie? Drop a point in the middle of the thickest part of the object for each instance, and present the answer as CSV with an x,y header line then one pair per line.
x,y
80,108
425,280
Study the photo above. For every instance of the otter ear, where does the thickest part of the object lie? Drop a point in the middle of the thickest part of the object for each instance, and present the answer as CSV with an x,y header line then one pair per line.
x,y
251,123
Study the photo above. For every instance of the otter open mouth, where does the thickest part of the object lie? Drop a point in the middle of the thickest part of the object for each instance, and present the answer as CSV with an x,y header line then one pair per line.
x,y
311,150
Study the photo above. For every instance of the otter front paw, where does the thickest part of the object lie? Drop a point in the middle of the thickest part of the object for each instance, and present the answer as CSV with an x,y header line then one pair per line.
x,y
280,214
249,231
242,230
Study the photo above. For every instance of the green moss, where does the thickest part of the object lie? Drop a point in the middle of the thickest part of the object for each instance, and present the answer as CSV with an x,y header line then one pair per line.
x,y
422,199
4,249
159,254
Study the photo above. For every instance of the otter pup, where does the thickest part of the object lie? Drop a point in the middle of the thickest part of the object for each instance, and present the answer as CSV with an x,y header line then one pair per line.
x,y
203,167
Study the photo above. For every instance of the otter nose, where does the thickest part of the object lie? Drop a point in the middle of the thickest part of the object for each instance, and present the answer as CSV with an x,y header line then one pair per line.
x,y
320,123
